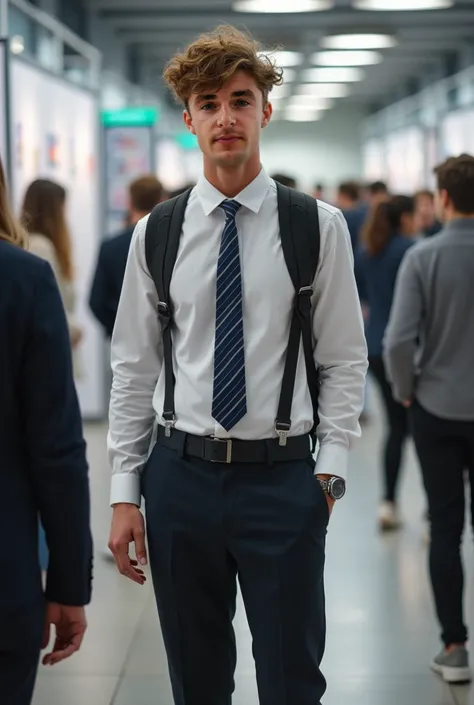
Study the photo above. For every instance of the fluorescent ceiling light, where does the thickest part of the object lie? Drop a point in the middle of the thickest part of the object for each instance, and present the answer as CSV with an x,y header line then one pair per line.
x,y
303,102
359,41
289,75
277,6
340,74
404,5
323,90
17,44
347,58
284,58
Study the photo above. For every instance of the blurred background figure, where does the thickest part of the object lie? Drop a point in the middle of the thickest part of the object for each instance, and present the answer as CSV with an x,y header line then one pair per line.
x,y
145,193
319,192
376,192
285,179
426,221
387,237
43,214
355,212
43,470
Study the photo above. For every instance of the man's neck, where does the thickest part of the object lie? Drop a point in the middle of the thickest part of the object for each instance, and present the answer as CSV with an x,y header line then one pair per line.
x,y
231,182
455,215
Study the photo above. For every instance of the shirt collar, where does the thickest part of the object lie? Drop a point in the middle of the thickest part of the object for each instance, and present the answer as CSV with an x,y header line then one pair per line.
x,y
252,197
460,226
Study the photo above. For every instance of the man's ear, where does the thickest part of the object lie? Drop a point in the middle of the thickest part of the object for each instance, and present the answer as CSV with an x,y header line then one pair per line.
x,y
267,115
188,121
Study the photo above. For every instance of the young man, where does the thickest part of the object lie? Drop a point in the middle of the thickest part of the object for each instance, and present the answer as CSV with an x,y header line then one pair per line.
x,y
429,355
259,512
145,193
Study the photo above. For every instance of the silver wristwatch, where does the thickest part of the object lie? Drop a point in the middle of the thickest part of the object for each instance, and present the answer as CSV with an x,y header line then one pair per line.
x,y
335,487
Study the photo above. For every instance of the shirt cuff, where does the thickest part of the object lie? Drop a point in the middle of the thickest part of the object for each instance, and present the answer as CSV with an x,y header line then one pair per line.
x,y
125,488
332,459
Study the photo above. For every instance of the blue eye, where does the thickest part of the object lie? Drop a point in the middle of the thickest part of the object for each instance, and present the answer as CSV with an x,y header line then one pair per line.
x,y
207,106
243,103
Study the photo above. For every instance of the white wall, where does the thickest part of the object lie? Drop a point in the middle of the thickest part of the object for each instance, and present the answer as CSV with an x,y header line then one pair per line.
x,y
328,150
55,135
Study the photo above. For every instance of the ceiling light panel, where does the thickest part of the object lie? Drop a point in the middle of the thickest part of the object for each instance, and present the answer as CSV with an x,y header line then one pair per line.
x,y
323,90
405,5
362,57
358,41
302,116
285,58
282,6
342,74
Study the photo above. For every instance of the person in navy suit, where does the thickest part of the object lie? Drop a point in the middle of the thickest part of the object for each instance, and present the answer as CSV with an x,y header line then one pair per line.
x,y
43,470
145,193
353,209
389,234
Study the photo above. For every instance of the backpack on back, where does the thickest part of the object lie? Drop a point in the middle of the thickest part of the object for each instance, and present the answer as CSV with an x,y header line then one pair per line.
x,y
300,240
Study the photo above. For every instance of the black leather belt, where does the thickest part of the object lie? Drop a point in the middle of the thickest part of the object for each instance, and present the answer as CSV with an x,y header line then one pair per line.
x,y
230,450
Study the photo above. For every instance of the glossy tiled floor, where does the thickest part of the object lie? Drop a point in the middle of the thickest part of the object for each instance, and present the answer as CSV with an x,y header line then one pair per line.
x,y
381,630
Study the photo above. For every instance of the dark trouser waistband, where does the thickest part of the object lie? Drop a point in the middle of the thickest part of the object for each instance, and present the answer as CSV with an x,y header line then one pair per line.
x,y
223,450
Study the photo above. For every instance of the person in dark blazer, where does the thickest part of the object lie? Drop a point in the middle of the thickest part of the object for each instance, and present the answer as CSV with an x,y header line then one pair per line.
x,y
43,470
388,235
145,193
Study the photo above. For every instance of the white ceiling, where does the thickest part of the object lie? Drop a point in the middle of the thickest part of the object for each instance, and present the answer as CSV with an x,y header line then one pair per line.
x,y
428,41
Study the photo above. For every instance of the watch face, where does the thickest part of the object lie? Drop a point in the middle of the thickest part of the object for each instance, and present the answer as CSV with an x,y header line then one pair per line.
x,y
338,488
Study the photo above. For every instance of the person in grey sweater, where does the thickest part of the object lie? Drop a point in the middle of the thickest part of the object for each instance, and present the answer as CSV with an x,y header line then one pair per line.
x,y
429,357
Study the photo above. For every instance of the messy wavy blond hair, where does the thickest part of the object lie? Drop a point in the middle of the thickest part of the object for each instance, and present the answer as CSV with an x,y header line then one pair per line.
x,y
213,58
10,229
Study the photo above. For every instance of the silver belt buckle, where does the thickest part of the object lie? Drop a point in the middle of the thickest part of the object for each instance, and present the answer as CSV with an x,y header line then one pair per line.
x,y
228,441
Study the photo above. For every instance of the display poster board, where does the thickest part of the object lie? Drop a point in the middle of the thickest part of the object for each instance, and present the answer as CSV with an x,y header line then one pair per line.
x,y
55,129
373,157
129,152
405,151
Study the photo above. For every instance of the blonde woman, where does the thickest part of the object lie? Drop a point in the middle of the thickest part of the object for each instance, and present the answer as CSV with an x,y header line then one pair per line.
x,y
43,215
43,469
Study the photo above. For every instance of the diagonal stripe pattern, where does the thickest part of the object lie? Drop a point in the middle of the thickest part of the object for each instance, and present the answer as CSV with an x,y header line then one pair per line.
x,y
229,402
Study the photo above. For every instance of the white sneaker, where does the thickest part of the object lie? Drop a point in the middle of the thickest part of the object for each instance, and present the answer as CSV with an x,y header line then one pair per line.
x,y
387,517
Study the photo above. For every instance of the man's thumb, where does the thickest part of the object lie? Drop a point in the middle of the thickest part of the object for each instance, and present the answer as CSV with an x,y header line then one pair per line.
x,y
140,548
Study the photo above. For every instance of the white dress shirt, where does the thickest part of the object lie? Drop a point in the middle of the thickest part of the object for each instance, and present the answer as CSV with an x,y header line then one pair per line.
x,y
268,295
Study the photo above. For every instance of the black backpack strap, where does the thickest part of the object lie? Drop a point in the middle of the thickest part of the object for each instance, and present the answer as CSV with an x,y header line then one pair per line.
x,y
163,233
300,239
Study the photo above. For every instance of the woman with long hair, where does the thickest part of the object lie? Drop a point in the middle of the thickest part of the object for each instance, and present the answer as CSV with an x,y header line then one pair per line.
x,y
387,236
44,217
43,468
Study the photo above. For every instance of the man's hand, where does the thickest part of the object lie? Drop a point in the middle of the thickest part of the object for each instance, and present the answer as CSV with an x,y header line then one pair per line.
x,y
329,499
71,624
128,526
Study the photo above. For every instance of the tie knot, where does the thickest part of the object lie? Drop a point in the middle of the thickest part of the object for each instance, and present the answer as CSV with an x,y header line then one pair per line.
x,y
230,208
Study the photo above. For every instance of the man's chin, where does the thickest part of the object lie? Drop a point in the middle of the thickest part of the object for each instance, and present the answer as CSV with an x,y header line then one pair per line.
x,y
230,160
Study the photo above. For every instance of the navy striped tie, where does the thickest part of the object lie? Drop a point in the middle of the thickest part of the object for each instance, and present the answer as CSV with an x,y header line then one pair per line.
x,y
229,403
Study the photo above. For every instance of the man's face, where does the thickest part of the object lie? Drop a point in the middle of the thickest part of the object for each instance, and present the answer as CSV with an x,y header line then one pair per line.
x,y
425,211
228,122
